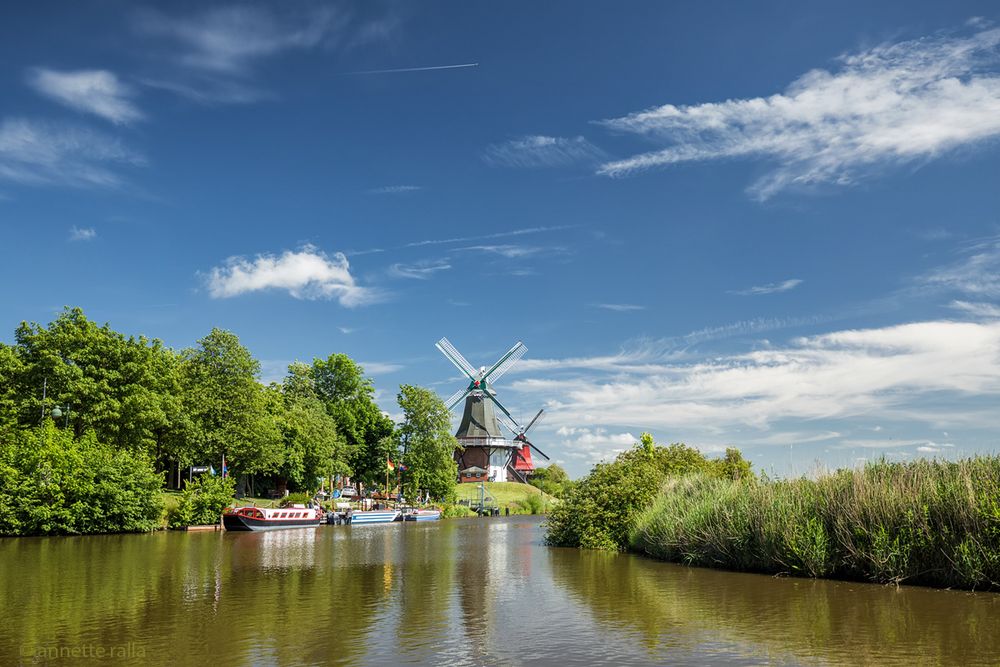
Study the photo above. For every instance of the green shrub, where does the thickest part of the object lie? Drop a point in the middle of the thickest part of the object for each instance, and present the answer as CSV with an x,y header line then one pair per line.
x,y
600,510
531,504
455,511
202,501
295,499
52,483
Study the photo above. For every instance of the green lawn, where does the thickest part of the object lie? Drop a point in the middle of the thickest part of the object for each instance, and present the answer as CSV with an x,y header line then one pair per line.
x,y
506,494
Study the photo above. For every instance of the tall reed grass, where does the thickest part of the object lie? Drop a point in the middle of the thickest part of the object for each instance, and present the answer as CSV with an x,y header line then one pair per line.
x,y
926,522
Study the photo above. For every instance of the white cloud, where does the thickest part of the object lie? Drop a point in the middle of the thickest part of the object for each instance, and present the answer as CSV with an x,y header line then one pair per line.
x,y
977,273
508,251
229,39
977,309
35,153
770,288
82,233
592,445
542,151
841,375
419,270
380,367
308,273
92,91
619,307
891,104
394,189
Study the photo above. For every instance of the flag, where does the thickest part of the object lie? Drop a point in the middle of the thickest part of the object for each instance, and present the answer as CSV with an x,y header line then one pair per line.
x,y
211,471
402,467
388,463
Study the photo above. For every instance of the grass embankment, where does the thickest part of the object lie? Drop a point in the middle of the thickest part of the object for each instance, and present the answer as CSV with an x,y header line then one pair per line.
x,y
925,522
520,498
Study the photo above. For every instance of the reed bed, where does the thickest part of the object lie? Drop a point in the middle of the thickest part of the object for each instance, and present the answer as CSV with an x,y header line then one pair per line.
x,y
924,522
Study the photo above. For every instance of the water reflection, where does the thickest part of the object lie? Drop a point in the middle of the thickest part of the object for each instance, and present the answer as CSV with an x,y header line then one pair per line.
x,y
477,592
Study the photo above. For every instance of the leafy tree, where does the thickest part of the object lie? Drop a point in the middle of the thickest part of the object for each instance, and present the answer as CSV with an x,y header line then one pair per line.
x,y
53,483
551,479
313,448
229,407
127,390
734,466
427,444
349,398
11,369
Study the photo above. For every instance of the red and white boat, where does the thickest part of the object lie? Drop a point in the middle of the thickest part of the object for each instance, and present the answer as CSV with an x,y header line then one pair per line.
x,y
267,518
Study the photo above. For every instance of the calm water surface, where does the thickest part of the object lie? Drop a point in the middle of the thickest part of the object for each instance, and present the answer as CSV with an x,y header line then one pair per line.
x,y
464,592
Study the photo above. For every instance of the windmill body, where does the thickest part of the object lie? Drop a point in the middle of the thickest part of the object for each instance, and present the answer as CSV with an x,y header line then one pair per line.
x,y
485,454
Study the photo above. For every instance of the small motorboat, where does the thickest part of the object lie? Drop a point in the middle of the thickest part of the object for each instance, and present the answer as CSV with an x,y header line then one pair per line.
x,y
423,515
373,516
267,518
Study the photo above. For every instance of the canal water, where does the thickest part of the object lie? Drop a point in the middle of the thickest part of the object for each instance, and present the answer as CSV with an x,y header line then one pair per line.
x,y
462,592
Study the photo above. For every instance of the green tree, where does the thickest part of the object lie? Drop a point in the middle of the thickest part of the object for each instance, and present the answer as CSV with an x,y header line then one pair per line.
x,y
427,445
551,479
11,370
127,390
229,408
349,398
313,447
53,483
734,466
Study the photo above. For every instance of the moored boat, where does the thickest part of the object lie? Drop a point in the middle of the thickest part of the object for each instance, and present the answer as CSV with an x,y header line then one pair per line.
x,y
423,515
267,518
374,516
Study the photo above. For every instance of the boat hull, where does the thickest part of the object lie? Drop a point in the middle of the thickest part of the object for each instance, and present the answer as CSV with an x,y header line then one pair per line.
x,y
365,518
423,516
235,522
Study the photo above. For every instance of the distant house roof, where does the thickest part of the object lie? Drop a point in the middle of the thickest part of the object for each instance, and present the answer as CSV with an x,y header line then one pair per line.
x,y
473,470
479,419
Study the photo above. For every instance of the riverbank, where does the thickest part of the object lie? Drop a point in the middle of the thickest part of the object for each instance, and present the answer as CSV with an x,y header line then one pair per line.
x,y
923,522
513,496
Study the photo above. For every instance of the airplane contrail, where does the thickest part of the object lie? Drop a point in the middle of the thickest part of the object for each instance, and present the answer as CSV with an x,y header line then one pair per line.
x,y
413,69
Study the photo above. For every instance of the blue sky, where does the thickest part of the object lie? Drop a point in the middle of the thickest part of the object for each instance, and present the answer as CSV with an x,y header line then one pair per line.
x,y
773,226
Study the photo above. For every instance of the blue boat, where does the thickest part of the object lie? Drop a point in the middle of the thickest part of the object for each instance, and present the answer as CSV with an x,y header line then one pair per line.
x,y
374,516
423,515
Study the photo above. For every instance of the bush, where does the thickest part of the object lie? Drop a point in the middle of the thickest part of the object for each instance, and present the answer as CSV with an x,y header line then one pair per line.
x,y
455,511
295,499
531,504
930,522
52,483
599,512
202,501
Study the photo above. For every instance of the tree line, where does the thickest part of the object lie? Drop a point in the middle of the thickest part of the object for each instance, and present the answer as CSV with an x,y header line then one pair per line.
x,y
176,408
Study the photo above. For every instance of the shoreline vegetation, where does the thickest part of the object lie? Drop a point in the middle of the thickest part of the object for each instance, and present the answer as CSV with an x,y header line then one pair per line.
x,y
95,426
934,523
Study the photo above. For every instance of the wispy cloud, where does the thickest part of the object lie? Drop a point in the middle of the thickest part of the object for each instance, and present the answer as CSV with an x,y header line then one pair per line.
x,y
346,330
214,52
542,151
36,153
620,307
98,92
394,189
770,288
308,273
82,233
414,69
891,104
976,273
508,251
466,239
231,39
870,373
419,270
380,367
591,445
977,309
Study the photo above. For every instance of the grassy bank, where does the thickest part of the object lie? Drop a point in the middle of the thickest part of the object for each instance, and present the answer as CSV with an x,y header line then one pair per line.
x,y
520,498
926,522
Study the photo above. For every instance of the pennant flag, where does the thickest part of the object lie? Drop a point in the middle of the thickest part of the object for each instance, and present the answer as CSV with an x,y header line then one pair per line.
x,y
388,463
